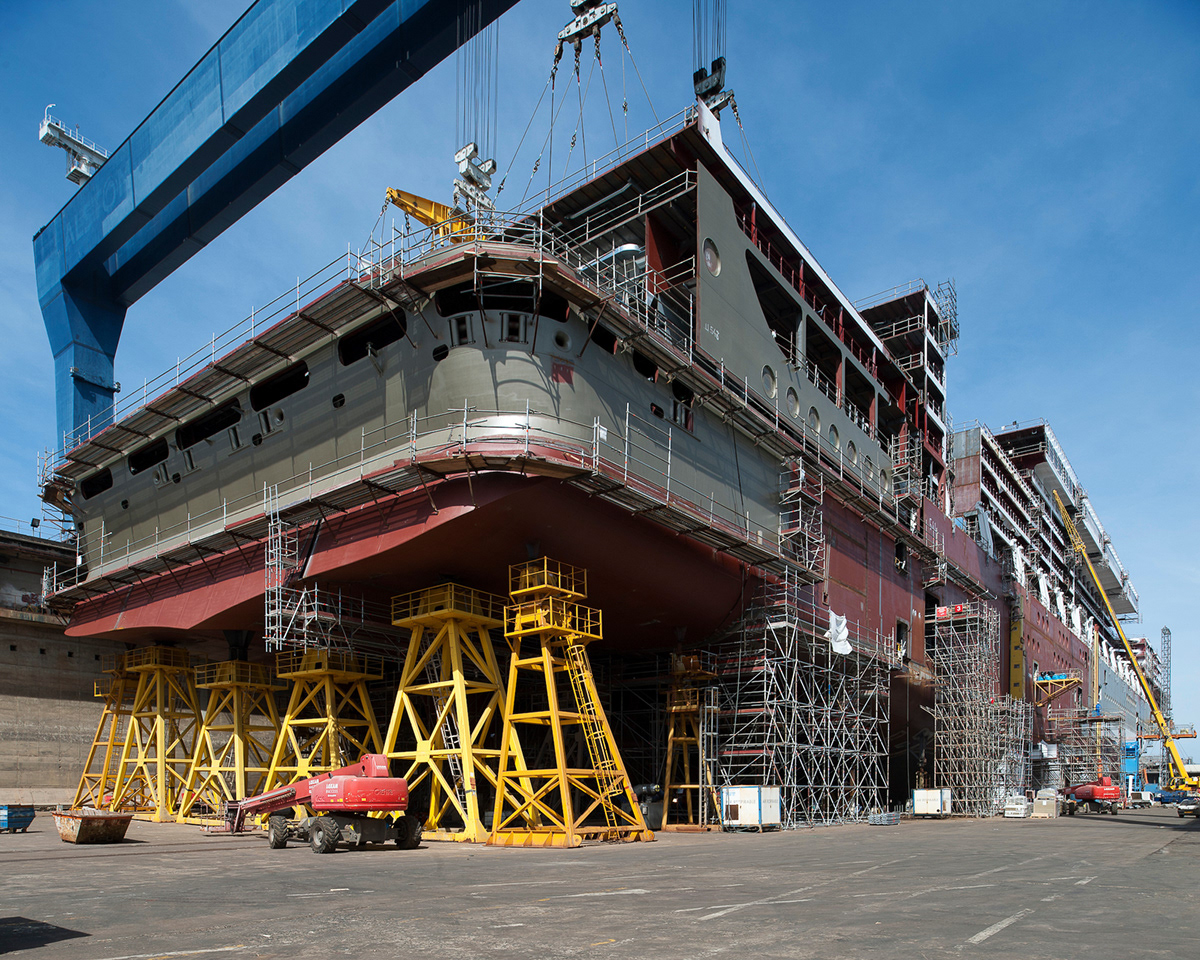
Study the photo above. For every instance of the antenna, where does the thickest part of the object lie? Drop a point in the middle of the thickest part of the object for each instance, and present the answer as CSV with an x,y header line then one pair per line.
x,y
84,157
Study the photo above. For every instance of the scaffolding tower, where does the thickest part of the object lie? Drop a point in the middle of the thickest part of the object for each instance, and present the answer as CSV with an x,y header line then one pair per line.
x,y
1164,654
329,721
580,790
981,739
99,772
795,713
691,765
236,739
164,719
1088,745
445,723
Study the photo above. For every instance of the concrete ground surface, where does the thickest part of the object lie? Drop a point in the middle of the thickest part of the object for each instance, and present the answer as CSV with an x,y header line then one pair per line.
x,y
1094,886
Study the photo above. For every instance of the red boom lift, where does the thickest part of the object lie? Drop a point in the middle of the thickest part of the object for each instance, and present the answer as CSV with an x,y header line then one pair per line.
x,y
342,799
1099,796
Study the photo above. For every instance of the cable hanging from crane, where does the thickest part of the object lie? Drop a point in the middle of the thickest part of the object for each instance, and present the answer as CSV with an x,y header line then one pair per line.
x,y
590,17
476,79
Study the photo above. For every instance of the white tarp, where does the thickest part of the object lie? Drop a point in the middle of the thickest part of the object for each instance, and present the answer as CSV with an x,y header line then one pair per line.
x,y
838,634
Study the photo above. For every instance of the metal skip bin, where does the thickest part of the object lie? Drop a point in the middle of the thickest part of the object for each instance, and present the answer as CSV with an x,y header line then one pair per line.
x,y
86,825
14,818
750,808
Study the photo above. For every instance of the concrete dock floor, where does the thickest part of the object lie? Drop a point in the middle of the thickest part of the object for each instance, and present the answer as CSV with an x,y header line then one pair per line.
x,y
1095,886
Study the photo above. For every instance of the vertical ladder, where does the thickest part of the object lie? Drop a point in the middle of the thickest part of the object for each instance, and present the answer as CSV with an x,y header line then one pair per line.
x,y
608,774
709,792
282,561
449,727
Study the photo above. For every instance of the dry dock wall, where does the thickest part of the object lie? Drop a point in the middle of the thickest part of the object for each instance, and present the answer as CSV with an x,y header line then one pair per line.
x,y
48,713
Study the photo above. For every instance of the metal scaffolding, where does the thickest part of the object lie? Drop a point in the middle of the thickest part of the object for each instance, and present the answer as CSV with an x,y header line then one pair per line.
x,y
981,739
691,766
236,738
446,720
795,713
1087,745
573,794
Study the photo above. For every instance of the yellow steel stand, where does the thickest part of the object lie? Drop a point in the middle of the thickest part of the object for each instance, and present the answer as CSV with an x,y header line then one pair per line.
x,y
163,721
99,772
683,740
329,721
455,678
236,740
563,805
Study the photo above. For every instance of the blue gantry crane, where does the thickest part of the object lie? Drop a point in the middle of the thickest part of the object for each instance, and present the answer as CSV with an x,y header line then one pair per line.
x,y
287,81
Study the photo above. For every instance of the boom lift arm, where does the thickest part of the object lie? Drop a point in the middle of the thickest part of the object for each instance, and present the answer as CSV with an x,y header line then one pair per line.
x,y
1182,779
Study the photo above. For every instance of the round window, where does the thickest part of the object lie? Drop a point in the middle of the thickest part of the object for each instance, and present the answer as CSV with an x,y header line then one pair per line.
x,y
851,452
835,441
770,383
793,402
869,469
712,258
885,481
562,340
814,420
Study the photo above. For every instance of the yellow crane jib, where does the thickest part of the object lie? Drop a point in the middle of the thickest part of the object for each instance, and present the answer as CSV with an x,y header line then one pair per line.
x,y
1182,778
445,221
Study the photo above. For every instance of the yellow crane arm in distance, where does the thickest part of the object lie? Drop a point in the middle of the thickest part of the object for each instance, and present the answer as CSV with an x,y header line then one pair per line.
x,y
1181,774
446,222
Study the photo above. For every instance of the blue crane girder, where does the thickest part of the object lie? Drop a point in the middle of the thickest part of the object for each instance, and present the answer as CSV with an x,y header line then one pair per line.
x,y
283,85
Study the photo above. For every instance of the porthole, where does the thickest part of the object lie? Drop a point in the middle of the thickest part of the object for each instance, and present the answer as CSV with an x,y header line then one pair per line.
x,y
339,401
441,352
869,469
770,383
562,340
793,402
885,481
814,420
851,452
835,441
712,258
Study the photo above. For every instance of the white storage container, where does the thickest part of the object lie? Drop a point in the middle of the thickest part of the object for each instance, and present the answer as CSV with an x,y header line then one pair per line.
x,y
931,803
750,807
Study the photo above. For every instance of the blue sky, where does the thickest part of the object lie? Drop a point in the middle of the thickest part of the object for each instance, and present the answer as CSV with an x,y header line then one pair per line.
x,y
1042,154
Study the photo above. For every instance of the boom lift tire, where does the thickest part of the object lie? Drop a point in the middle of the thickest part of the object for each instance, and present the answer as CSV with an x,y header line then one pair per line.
x,y
410,833
277,832
323,835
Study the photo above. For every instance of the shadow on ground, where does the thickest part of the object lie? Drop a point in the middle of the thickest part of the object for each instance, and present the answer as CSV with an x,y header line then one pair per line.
x,y
21,933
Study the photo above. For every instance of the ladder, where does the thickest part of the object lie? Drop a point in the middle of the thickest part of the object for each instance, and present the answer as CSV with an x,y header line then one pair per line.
x,y
282,563
608,775
449,729
709,792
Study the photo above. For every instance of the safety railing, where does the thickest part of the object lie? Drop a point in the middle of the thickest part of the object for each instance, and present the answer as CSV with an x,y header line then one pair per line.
x,y
232,673
638,452
49,120
891,293
286,305
352,664
445,599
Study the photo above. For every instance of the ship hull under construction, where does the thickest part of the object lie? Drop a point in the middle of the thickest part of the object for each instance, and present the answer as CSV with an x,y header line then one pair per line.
x,y
647,376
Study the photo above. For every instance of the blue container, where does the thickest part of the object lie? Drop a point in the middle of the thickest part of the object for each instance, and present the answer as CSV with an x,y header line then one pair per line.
x,y
14,818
